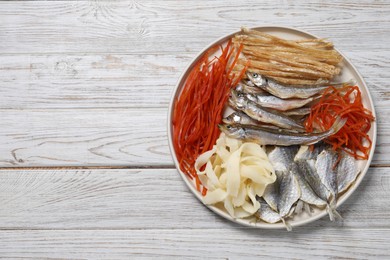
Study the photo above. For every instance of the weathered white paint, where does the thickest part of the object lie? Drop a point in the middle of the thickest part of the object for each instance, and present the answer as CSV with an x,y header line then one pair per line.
x,y
148,199
228,243
87,83
67,137
105,137
180,26
77,81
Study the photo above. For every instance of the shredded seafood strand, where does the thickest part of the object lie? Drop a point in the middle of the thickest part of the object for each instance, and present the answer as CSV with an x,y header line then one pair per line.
x,y
346,102
199,107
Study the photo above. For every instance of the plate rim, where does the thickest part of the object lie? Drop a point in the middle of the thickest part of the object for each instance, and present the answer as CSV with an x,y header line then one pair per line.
x,y
263,225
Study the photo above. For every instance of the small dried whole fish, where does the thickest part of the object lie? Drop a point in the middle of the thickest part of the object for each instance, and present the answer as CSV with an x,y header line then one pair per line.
x,y
312,174
240,102
282,194
302,111
289,191
326,170
271,193
288,91
238,117
266,213
282,157
304,153
271,101
252,89
309,173
347,171
307,193
264,136
306,168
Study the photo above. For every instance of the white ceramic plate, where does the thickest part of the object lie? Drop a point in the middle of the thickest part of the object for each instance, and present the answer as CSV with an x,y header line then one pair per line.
x,y
348,72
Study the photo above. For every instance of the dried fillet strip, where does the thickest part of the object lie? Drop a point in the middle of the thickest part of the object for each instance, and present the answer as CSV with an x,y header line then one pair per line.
x,y
303,62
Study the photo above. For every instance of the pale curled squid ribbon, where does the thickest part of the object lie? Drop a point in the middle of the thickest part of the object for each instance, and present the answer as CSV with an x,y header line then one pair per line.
x,y
234,174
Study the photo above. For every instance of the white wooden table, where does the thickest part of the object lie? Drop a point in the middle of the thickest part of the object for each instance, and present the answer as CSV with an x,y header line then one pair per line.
x,y
86,170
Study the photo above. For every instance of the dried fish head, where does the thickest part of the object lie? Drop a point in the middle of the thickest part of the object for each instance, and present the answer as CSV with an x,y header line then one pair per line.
x,y
237,100
233,118
256,79
238,117
234,131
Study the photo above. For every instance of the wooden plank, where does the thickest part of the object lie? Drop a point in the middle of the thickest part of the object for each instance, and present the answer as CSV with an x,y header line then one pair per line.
x,y
125,81
233,243
85,81
150,199
105,137
152,26
88,137
116,81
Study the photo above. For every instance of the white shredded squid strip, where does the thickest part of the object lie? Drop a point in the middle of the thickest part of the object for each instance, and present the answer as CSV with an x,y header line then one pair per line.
x,y
234,173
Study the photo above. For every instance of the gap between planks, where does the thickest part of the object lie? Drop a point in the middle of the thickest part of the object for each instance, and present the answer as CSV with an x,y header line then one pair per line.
x,y
160,53
104,167
108,167
40,109
299,229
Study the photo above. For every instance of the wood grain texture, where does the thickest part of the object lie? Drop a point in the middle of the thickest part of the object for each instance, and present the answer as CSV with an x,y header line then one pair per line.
x,y
180,26
36,88
105,137
58,137
149,199
235,243
49,87
87,83
76,81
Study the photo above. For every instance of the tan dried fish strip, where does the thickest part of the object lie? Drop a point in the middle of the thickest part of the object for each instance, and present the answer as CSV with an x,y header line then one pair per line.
x,y
296,62
286,70
311,51
260,36
285,80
